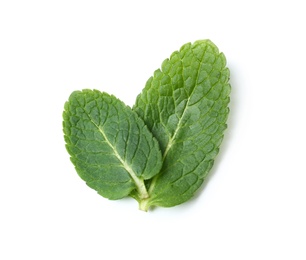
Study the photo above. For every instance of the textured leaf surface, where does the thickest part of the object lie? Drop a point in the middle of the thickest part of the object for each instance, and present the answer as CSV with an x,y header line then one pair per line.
x,y
110,146
185,105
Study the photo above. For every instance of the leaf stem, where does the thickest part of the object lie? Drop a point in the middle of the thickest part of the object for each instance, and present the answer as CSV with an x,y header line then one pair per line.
x,y
144,204
141,187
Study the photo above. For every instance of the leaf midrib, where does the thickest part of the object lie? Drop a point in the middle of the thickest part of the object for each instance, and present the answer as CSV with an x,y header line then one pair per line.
x,y
178,127
139,182
170,143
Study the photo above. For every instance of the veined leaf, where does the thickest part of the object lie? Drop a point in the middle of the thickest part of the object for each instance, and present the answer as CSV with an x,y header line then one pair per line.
x,y
110,146
185,105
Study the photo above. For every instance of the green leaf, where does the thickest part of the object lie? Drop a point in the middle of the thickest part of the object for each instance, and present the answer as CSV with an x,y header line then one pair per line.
x,y
110,146
161,151
185,105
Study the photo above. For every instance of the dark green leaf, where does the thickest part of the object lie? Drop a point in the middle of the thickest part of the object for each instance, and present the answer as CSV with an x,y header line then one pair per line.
x,y
110,146
185,105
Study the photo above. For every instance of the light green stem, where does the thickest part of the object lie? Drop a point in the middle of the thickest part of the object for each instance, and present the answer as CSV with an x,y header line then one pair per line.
x,y
144,204
141,187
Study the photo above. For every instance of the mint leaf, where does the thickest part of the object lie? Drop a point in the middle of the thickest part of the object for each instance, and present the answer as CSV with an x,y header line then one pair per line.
x,y
160,151
110,146
185,105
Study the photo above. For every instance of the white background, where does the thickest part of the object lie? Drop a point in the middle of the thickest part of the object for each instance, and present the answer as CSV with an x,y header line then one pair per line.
x,y
253,206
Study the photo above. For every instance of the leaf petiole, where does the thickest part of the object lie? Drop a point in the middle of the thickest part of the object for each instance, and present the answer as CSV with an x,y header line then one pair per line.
x,y
144,204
